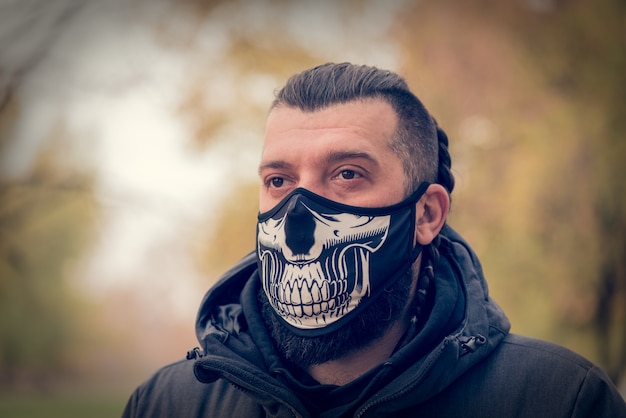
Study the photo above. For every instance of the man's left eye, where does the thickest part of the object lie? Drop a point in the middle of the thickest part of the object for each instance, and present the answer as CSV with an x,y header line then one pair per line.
x,y
348,174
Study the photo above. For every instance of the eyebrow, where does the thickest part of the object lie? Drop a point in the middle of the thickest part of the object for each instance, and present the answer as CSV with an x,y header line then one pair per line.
x,y
278,164
332,157
338,156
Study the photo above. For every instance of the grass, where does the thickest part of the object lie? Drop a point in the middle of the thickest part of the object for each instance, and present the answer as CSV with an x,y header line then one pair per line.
x,y
43,406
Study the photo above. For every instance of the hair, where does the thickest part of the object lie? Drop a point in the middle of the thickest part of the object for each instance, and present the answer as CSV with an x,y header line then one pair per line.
x,y
418,141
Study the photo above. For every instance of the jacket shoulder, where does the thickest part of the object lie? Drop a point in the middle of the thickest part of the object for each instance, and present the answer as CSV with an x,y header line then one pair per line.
x,y
526,377
174,391
559,381
541,353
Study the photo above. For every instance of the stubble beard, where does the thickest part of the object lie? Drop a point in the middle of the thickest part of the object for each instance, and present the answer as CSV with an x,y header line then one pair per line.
x,y
369,326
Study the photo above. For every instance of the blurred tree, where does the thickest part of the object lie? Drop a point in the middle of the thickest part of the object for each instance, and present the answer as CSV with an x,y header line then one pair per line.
x,y
231,234
251,56
45,224
532,96
27,29
582,53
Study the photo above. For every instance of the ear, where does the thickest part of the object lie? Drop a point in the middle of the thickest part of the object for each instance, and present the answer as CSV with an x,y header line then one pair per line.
x,y
431,213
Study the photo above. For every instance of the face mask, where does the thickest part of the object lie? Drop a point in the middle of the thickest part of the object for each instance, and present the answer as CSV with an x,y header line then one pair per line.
x,y
322,262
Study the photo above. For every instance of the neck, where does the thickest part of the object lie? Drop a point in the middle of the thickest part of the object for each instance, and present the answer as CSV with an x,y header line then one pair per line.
x,y
348,368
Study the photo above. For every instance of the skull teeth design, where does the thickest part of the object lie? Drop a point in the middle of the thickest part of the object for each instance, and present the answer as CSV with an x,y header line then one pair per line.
x,y
301,292
301,296
335,276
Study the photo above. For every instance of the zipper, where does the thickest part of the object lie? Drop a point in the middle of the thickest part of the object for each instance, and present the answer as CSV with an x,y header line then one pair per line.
x,y
408,388
467,344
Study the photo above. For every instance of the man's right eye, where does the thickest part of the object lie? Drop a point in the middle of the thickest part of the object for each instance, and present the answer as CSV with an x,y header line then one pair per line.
x,y
277,182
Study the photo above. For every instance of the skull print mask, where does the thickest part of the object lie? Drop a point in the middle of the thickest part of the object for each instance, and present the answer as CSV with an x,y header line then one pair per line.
x,y
321,262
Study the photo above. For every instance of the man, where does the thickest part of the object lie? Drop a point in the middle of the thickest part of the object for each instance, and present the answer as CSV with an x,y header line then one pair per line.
x,y
359,300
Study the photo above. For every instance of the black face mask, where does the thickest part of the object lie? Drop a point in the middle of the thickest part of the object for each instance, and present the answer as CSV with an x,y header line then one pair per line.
x,y
322,262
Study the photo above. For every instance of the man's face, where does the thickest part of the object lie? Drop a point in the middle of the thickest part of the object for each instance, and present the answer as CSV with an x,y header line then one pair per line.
x,y
341,152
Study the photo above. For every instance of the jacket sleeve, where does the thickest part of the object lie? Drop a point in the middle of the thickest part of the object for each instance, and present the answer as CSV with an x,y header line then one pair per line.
x,y
598,397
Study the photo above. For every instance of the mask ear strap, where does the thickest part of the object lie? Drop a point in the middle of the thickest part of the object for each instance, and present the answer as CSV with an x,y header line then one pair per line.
x,y
419,192
416,252
415,197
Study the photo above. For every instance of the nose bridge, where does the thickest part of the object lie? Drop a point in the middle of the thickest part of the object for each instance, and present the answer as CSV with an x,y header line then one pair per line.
x,y
308,182
299,227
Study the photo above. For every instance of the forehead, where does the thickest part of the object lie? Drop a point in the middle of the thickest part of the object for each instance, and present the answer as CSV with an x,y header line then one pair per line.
x,y
362,123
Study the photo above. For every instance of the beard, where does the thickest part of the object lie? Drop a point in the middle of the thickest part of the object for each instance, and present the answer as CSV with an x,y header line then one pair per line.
x,y
370,325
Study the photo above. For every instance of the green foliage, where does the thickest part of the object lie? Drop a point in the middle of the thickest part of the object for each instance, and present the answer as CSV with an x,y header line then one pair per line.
x,y
44,225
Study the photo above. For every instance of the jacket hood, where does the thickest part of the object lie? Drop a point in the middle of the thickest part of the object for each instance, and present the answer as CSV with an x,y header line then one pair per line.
x,y
232,351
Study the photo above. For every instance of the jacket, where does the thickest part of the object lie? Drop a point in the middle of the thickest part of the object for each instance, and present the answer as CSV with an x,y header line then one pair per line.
x,y
463,362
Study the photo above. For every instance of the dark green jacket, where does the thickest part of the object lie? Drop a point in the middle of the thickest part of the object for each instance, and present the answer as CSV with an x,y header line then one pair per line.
x,y
463,363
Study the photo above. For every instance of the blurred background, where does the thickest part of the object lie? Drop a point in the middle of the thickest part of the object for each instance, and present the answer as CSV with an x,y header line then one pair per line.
x,y
129,137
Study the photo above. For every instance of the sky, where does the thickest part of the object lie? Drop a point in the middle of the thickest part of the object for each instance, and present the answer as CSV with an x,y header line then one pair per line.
x,y
101,71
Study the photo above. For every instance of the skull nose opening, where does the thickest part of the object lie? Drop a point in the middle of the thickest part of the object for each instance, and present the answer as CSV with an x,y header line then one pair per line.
x,y
299,228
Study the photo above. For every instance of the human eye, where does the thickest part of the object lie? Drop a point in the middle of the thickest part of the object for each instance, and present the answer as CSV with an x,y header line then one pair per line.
x,y
348,174
278,184
275,182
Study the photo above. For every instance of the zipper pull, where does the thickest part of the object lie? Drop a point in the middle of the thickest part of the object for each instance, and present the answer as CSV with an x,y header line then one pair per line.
x,y
471,344
194,353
